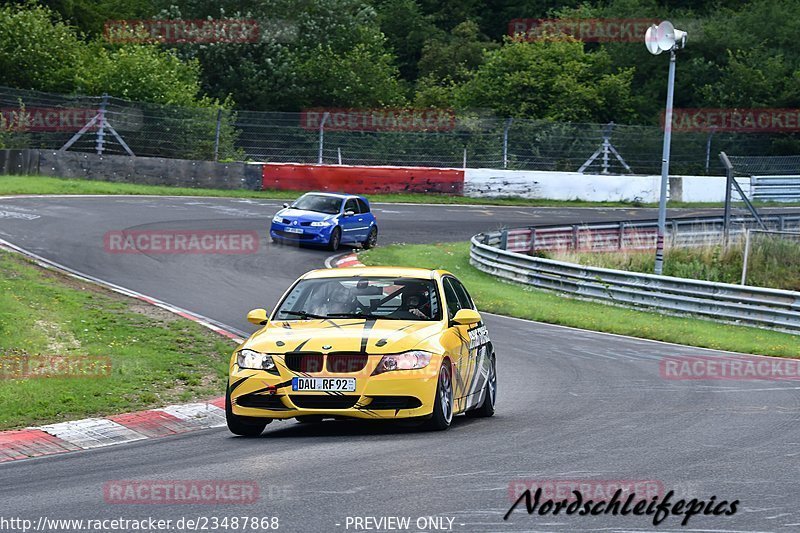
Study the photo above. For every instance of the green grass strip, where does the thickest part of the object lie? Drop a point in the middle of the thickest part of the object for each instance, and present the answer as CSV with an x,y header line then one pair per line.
x,y
517,300
50,320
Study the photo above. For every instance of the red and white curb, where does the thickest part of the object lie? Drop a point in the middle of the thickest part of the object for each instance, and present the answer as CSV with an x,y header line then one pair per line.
x,y
343,261
116,429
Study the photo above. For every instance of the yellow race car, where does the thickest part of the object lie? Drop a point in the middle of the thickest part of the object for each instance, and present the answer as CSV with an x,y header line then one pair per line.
x,y
369,343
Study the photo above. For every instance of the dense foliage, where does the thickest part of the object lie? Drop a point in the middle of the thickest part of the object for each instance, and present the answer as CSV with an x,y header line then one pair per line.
x,y
388,53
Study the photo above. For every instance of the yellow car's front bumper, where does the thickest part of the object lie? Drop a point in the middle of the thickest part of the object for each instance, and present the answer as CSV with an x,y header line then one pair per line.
x,y
391,395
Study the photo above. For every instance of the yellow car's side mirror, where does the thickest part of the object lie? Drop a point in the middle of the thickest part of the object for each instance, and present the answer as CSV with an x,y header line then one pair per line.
x,y
467,317
257,317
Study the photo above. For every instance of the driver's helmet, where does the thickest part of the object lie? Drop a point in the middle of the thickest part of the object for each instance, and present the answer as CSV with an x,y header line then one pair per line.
x,y
340,296
416,296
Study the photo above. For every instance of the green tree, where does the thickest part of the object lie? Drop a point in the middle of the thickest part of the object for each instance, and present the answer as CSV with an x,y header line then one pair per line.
x,y
551,79
143,73
306,44
455,55
450,13
364,76
406,29
90,16
754,78
448,60
38,50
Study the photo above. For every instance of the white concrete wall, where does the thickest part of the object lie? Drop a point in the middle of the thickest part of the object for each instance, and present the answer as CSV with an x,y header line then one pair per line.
x,y
709,188
591,187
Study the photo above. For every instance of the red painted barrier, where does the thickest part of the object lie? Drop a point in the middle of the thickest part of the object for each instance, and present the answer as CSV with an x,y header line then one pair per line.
x,y
361,179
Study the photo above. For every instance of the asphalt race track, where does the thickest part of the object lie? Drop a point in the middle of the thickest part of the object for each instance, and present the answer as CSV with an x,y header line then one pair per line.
x,y
572,404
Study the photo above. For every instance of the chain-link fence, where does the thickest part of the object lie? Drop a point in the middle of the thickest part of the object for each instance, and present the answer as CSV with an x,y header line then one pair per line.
x,y
41,120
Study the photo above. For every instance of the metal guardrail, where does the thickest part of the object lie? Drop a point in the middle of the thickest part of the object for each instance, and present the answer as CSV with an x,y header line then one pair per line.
x,y
636,235
743,305
775,188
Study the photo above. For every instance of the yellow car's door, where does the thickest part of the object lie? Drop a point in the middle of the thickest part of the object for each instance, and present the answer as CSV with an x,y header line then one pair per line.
x,y
457,344
475,366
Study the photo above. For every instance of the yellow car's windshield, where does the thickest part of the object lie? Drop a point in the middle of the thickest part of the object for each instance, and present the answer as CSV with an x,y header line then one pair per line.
x,y
362,297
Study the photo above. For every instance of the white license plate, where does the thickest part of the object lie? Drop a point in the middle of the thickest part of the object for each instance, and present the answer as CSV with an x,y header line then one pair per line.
x,y
324,384
293,230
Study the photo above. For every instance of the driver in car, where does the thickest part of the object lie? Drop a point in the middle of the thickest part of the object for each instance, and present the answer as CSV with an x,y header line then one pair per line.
x,y
415,304
339,300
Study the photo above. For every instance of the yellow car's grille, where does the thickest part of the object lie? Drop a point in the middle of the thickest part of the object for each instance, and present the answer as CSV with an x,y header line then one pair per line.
x,y
324,401
346,363
304,362
337,363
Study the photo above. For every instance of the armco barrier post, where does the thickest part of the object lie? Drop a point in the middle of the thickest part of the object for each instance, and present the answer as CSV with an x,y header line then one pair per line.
x,y
505,142
728,184
216,134
322,136
101,131
504,240
674,231
621,235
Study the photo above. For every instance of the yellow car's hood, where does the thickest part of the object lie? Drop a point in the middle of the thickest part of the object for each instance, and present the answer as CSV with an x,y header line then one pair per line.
x,y
344,335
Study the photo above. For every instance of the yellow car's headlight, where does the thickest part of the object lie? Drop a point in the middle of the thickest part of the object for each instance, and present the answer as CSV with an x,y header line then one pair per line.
x,y
254,360
403,361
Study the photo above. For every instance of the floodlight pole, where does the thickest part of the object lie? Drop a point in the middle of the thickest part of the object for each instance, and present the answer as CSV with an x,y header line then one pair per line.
x,y
662,204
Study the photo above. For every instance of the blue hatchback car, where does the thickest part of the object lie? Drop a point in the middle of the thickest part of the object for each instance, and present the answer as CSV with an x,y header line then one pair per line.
x,y
327,219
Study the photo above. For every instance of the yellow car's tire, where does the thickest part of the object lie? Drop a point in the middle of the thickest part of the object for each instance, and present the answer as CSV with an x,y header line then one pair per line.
x,y
442,415
243,425
490,395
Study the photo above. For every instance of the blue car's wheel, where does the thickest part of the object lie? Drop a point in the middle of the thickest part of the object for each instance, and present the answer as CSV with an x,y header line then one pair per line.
x,y
336,239
372,239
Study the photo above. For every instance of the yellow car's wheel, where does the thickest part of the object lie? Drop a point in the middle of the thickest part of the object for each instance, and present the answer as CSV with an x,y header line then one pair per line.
x,y
243,425
443,402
